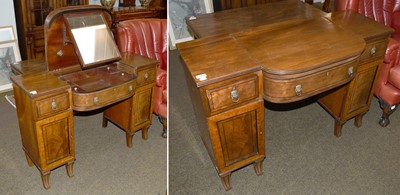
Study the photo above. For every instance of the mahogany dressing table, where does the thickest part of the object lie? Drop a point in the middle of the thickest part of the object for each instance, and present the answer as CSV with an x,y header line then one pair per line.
x,y
83,71
293,52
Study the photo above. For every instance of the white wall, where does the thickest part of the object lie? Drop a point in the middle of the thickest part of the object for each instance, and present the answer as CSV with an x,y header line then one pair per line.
x,y
7,14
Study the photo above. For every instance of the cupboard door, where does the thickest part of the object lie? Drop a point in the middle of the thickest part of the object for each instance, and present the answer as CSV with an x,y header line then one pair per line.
x,y
55,139
238,136
142,107
362,88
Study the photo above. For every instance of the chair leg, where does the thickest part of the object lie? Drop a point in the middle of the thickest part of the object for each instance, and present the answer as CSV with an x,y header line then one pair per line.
x,y
387,111
163,121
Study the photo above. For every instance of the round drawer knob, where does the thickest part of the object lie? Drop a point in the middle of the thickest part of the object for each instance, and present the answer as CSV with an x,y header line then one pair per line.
x,y
350,71
373,51
130,88
95,100
53,104
146,76
298,90
235,94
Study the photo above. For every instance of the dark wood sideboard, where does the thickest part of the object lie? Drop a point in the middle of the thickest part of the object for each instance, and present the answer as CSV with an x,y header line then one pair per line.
x,y
293,51
31,15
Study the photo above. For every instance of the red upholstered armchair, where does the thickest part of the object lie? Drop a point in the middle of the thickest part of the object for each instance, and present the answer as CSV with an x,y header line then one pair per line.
x,y
388,84
148,37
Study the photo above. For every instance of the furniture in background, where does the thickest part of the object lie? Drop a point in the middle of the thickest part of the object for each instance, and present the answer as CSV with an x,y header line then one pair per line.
x,y
137,12
30,16
232,4
76,76
231,71
388,83
148,37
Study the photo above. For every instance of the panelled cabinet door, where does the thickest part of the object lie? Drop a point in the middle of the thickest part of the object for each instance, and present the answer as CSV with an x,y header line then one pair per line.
x,y
238,135
142,107
363,85
55,139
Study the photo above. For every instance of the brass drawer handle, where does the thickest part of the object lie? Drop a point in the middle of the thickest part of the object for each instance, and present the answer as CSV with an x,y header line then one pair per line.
x,y
298,89
54,104
235,95
373,51
146,76
95,100
350,71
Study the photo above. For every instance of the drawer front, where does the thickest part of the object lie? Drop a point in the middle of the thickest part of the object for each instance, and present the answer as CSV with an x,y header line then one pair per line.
x,y
373,51
146,76
52,105
233,92
105,97
290,90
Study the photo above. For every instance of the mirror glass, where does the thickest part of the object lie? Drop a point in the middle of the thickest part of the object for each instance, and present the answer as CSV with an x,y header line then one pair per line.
x,y
93,39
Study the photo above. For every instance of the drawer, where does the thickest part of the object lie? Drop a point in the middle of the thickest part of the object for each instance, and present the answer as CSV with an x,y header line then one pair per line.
x,y
98,99
52,105
146,76
373,51
232,92
279,90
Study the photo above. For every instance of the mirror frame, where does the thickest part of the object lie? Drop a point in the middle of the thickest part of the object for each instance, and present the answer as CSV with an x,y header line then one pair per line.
x,y
77,50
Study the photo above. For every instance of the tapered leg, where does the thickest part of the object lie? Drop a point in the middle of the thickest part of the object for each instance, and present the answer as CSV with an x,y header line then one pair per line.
x,y
163,121
258,167
338,128
30,162
387,111
105,121
70,169
145,132
46,179
226,181
129,137
358,120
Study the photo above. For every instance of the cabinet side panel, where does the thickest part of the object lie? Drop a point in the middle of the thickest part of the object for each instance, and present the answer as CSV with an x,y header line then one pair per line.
x,y
333,100
200,114
119,113
26,123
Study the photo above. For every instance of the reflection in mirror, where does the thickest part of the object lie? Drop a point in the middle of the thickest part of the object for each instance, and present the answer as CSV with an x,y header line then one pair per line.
x,y
93,38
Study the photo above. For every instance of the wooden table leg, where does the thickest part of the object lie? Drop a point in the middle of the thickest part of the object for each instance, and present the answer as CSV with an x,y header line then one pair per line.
x,y
145,132
226,181
129,137
358,120
70,169
338,128
258,167
105,121
46,179
30,162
